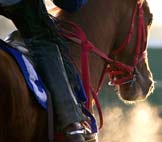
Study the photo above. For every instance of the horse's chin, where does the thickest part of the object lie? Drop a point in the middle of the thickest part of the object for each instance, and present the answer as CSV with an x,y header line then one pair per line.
x,y
138,91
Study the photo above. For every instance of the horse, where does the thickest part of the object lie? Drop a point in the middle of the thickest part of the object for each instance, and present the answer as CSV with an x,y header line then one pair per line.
x,y
119,30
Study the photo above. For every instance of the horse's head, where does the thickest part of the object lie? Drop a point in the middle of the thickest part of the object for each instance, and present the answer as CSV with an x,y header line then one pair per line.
x,y
134,81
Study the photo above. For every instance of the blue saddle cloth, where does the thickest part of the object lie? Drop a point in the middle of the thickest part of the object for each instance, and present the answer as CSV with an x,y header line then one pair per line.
x,y
36,85
31,77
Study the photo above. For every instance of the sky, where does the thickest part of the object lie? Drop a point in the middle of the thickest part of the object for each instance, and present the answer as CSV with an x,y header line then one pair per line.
x,y
156,28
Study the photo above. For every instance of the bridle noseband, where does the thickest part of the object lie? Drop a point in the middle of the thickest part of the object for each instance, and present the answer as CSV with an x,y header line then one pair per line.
x,y
123,73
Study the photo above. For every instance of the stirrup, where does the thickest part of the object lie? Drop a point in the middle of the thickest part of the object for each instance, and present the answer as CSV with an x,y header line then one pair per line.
x,y
75,132
85,132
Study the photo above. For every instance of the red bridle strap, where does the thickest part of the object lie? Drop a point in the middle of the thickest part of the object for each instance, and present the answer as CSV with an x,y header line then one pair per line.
x,y
141,37
129,36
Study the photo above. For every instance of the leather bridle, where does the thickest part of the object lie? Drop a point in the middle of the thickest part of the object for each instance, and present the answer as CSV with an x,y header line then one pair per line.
x,y
127,74
123,73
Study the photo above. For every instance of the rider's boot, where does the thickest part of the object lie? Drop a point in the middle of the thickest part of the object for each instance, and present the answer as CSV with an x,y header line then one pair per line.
x,y
31,19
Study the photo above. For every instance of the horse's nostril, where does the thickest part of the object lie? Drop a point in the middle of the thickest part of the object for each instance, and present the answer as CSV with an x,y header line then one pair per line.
x,y
137,91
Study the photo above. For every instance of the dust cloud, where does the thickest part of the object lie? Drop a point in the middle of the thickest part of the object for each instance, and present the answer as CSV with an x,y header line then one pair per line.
x,y
140,123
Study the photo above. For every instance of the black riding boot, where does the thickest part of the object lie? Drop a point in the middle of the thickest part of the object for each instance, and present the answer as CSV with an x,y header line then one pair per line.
x,y
31,19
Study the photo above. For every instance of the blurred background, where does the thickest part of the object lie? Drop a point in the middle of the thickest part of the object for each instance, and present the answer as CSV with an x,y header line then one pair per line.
x,y
140,122
155,49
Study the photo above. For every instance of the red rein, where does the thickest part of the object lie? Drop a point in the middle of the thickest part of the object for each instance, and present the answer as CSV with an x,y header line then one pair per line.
x,y
121,69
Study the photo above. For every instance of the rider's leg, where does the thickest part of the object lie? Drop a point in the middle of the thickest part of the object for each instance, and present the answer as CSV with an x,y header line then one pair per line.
x,y
27,15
